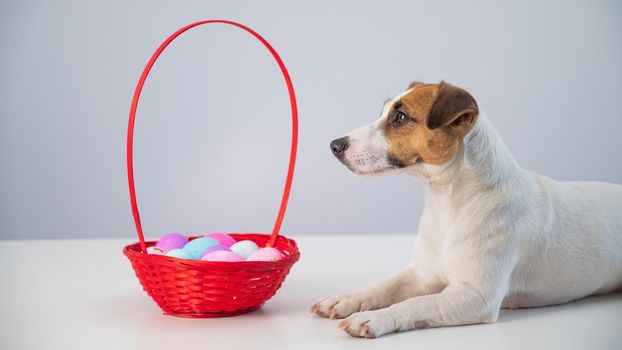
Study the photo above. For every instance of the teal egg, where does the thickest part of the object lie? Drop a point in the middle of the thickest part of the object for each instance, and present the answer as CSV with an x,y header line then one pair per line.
x,y
179,253
197,246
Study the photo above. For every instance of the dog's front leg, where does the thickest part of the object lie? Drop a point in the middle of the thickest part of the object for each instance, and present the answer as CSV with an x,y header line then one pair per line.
x,y
404,284
456,305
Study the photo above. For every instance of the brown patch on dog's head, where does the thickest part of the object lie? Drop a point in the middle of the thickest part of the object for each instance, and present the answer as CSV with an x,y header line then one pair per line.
x,y
428,124
414,84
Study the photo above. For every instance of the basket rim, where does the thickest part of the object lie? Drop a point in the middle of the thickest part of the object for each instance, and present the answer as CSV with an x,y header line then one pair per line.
x,y
133,252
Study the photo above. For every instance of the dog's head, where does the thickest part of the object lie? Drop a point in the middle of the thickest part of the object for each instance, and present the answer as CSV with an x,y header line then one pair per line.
x,y
425,124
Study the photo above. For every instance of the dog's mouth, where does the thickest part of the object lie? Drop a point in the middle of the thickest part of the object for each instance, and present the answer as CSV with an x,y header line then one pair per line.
x,y
370,165
395,162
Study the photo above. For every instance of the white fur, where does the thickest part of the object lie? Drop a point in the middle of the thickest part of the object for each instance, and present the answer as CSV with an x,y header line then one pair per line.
x,y
492,235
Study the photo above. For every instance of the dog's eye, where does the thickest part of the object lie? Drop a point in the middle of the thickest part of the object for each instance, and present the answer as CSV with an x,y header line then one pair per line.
x,y
399,118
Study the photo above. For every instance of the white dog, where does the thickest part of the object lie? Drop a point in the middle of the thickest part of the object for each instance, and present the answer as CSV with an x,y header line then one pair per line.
x,y
492,234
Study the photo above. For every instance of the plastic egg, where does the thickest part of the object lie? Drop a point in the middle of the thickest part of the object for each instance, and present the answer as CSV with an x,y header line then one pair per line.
x,y
155,251
197,246
179,253
222,255
265,254
171,241
244,248
222,238
215,248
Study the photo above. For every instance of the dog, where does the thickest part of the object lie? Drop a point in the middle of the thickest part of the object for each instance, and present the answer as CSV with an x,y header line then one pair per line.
x,y
492,235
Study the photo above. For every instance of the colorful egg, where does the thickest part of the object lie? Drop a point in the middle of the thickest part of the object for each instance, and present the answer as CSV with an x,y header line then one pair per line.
x,y
179,253
244,248
197,246
155,251
222,238
265,254
222,255
215,248
171,241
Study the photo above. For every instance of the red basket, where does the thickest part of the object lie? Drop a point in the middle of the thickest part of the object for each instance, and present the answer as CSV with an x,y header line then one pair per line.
x,y
196,288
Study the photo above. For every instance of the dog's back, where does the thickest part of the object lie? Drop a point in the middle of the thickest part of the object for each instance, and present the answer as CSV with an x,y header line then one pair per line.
x,y
574,248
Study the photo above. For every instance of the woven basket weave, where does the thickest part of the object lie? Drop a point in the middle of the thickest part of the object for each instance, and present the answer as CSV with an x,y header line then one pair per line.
x,y
196,288
211,289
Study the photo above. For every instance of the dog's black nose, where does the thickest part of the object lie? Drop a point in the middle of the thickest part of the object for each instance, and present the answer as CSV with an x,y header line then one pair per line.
x,y
339,146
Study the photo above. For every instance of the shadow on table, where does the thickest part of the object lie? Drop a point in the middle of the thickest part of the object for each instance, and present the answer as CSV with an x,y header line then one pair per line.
x,y
509,315
140,308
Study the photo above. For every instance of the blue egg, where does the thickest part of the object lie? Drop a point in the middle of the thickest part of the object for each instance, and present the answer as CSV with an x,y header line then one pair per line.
x,y
197,246
179,253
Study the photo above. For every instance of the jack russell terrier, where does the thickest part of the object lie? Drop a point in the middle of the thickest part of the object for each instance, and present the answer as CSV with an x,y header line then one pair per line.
x,y
492,235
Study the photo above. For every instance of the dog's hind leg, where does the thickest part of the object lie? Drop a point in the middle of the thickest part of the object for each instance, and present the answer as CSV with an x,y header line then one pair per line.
x,y
404,284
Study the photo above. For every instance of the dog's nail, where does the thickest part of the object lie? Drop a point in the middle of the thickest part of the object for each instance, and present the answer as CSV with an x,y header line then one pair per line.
x,y
332,314
343,326
365,332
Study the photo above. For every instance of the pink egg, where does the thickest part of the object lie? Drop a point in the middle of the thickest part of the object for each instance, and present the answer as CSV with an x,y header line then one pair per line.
x,y
222,238
215,248
171,241
265,254
155,251
222,255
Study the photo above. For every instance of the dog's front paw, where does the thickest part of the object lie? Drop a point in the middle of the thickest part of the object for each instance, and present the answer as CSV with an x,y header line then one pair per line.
x,y
339,306
369,324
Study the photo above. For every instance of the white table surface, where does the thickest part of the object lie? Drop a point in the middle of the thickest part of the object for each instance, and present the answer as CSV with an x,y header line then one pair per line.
x,y
82,294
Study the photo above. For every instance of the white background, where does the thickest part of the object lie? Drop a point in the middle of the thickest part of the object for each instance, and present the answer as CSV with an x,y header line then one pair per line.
x,y
213,128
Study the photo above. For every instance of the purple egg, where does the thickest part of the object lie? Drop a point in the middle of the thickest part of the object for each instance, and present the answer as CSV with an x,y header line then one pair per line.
x,y
222,238
215,248
171,241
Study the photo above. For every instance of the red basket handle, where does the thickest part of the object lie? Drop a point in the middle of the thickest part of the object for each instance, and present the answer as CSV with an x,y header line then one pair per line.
x,y
130,127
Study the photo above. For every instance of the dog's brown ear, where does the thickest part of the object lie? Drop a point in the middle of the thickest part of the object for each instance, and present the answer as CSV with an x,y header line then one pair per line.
x,y
453,107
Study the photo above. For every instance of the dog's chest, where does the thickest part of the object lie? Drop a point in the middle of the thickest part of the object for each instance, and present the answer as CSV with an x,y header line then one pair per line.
x,y
444,244
432,242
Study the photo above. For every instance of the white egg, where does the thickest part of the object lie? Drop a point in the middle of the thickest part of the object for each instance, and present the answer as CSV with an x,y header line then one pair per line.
x,y
244,248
